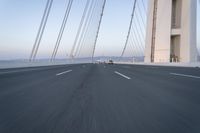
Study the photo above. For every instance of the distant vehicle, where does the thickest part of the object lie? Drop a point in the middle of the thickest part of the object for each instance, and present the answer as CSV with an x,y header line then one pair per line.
x,y
110,62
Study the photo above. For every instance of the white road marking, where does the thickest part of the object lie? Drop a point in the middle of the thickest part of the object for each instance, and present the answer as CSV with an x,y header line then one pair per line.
x,y
184,75
63,72
122,75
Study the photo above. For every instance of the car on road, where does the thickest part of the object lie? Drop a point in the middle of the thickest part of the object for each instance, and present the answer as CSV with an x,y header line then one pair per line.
x,y
110,62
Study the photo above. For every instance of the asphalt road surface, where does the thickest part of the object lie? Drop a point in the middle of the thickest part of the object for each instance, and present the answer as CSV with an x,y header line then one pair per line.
x,y
99,98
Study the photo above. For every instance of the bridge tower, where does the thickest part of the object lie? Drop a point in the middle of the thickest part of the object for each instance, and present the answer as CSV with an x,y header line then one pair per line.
x,y
171,31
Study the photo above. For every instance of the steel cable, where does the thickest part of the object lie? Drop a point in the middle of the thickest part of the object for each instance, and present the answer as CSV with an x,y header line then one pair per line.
x,y
92,5
39,30
87,29
43,28
79,28
98,29
130,26
62,28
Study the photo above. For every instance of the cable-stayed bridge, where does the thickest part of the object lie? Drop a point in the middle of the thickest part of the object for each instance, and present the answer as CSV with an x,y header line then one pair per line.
x,y
86,38
85,41
104,97
87,34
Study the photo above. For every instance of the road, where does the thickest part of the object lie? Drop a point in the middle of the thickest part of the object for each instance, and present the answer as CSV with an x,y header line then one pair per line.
x,y
99,98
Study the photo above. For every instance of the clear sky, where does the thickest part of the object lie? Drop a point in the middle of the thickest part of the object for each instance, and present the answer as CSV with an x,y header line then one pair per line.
x,y
20,19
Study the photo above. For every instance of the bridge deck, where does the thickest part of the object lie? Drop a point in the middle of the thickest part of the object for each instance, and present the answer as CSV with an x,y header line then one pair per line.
x,y
91,98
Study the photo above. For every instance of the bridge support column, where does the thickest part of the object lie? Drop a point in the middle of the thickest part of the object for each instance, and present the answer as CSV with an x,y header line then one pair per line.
x,y
171,31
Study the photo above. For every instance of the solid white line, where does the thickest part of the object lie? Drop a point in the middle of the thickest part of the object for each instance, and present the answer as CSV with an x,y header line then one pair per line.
x,y
184,75
63,72
122,75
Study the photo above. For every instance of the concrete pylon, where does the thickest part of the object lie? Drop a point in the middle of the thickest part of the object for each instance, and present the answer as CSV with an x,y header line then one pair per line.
x,y
171,31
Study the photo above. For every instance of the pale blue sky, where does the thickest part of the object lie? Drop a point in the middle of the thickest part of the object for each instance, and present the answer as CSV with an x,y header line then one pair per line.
x,y
20,19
